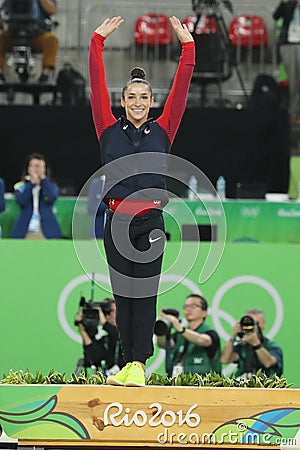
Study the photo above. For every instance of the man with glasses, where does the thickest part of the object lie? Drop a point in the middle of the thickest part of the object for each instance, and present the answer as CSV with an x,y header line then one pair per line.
x,y
195,348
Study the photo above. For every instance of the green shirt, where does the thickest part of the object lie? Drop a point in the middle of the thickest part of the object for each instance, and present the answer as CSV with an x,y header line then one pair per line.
x,y
249,363
194,358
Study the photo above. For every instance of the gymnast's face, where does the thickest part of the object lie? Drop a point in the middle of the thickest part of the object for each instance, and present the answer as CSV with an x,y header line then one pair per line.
x,y
137,102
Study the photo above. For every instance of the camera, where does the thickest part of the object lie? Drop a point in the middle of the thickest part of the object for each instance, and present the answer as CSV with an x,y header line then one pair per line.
x,y
90,314
248,325
198,4
162,326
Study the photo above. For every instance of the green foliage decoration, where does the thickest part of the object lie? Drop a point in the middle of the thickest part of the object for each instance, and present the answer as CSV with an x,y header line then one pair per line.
x,y
211,379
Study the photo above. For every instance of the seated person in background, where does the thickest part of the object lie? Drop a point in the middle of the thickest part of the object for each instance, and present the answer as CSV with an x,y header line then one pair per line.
x,y
2,200
96,207
289,48
45,41
195,348
36,195
250,349
103,353
2,191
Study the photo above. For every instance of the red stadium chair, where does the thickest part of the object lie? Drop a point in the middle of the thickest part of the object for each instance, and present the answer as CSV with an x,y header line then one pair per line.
x,y
248,31
206,24
153,29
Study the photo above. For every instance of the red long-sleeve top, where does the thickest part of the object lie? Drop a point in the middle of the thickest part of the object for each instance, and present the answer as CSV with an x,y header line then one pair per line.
x,y
175,103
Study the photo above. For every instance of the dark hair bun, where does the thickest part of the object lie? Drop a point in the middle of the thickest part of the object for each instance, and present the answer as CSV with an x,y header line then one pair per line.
x,y
138,72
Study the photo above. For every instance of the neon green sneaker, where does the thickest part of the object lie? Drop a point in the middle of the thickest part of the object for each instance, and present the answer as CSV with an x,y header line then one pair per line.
x,y
119,378
136,375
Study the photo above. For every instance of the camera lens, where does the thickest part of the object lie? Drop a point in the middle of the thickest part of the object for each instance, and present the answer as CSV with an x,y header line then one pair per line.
x,y
247,324
161,327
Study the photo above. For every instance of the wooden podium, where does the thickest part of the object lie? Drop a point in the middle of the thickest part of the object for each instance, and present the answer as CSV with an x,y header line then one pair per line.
x,y
153,416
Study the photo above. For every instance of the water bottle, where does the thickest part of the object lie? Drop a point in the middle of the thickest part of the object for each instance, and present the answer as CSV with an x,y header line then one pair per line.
x,y
193,187
221,187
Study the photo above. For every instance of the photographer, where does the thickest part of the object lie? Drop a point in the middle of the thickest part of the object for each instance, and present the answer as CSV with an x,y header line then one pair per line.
x,y
195,348
250,349
104,353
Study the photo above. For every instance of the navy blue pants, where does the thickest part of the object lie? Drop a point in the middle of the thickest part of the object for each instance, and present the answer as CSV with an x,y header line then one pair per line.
x,y
134,250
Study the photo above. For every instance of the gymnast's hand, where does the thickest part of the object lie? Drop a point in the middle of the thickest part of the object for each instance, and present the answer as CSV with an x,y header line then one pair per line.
x,y
108,26
181,30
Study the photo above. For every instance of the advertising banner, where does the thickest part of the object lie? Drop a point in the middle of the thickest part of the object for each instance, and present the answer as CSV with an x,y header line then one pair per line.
x,y
247,220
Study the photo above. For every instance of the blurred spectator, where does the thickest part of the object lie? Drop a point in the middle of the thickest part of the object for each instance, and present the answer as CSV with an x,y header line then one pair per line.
x,y
96,207
45,40
2,200
2,191
289,48
36,195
